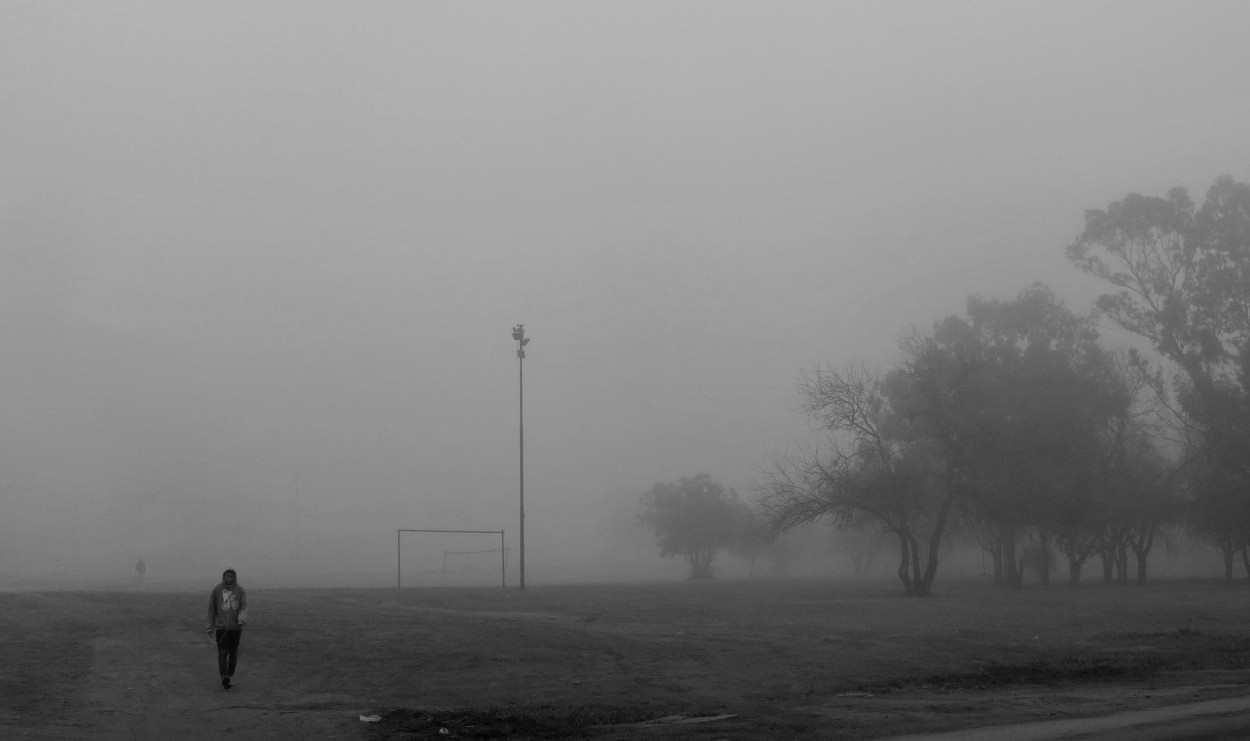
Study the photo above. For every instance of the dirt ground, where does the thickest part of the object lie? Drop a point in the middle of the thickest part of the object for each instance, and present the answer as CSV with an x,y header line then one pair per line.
x,y
739,660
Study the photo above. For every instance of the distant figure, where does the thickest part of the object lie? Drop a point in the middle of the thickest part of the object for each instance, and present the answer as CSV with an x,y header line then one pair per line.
x,y
139,569
227,613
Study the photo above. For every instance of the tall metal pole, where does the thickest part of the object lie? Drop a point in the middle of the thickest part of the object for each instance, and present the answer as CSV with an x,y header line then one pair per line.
x,y
521,398
518,334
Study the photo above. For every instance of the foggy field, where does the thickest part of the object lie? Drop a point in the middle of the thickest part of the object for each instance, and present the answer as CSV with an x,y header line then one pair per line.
x,y
794,659
810,290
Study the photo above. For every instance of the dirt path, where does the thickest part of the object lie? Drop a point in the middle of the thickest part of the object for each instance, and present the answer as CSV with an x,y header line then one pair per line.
x,y
147,689
161,683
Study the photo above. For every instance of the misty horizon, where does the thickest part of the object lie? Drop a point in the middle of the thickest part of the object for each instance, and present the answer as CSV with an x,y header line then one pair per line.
x,y
261,267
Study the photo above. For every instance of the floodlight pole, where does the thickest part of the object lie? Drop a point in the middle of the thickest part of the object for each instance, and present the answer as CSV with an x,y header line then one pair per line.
x,y
518,334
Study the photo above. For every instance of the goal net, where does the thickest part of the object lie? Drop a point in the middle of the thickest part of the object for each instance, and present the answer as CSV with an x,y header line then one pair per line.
x,y
450,558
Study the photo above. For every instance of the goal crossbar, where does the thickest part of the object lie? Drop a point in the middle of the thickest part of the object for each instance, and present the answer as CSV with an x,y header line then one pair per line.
x,y
399,549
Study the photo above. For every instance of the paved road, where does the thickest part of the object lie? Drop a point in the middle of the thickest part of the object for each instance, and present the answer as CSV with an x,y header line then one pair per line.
x,y
1212,720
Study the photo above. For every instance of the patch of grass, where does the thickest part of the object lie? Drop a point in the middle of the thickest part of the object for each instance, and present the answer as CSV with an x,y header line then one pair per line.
x,y
46,652
1129,656
520,723
1053,670
1187,649
1185,632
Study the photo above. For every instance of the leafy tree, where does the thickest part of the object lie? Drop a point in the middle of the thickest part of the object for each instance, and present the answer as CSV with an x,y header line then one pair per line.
x,y
1013,422
696,518
1031,469
1069,456
1180,273
756,541
1132,500
1181,276
1219,514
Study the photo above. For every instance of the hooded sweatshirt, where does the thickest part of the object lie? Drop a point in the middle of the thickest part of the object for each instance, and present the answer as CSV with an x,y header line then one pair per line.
x,y
227,605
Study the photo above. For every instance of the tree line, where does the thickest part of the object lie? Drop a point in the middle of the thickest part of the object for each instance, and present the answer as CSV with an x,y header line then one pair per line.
x,y
1017,427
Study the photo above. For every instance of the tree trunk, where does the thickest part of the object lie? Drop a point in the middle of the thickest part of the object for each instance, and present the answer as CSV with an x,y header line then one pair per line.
x,y
1075,564
1141,551
857,564
1043,569
904,566
918,583
1228,554
1013,578
701,564
939,528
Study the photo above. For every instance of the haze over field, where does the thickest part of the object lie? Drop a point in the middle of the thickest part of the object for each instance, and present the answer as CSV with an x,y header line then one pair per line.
x,y
260,263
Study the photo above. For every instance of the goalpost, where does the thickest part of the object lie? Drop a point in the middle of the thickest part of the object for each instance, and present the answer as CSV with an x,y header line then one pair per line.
x,y
399,552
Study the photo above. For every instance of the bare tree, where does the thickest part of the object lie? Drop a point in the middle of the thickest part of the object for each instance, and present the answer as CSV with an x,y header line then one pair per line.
x,y
877,464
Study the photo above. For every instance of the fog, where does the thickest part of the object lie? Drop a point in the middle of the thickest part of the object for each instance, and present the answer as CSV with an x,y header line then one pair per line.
x,y
260,262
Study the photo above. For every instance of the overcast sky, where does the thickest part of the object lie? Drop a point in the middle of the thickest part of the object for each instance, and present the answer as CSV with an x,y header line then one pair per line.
x,y
273,252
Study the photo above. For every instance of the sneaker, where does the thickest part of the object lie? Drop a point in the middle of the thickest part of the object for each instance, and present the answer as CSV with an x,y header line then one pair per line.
x,y
225,682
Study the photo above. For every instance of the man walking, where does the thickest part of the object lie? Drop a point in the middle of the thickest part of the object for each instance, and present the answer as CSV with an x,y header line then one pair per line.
x,y
227,612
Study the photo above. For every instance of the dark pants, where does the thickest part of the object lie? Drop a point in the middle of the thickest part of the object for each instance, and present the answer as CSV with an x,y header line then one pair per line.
x,y
227,650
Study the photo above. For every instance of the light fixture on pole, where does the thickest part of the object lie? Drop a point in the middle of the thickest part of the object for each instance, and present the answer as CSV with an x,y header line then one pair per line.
x,y
518,334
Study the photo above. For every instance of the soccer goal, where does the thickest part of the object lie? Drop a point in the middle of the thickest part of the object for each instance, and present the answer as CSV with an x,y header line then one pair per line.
x,y
432,550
